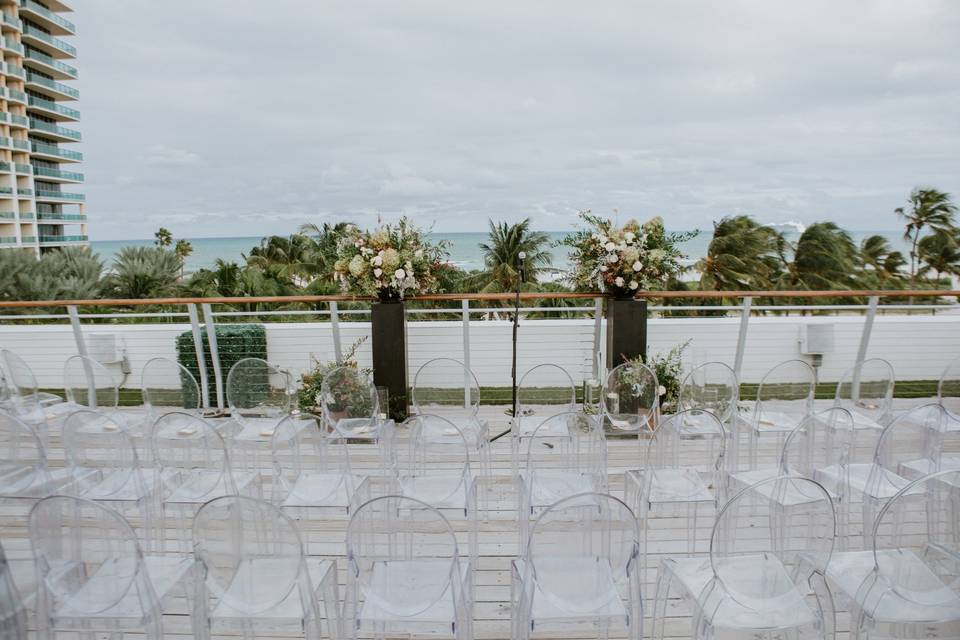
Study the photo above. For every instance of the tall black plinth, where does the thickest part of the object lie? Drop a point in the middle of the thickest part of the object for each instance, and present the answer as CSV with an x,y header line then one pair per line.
x,y
626,330
389,328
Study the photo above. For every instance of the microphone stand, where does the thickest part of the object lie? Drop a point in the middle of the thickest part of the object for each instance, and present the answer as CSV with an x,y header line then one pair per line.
x,y
521,257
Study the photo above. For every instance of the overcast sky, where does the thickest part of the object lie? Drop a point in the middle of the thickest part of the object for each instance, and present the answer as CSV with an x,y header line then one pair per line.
x,y
232,117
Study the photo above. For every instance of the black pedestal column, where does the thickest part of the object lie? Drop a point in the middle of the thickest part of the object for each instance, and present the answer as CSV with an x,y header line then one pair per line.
x,y
626,330
389,328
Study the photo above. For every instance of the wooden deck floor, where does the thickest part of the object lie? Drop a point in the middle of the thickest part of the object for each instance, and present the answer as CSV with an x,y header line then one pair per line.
x,y
498,538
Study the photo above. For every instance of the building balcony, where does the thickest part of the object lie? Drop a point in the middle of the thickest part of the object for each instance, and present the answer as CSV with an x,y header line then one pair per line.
x,y
43,194
23,168
54,47
45,63
19,121
61,239
29,239
21,144
27,215
56,175
52,109
7,215
58,25
51,151
6,192
61,217
5,166
11,22
8,240
9,44
13,70
52,87
25,192
14,95
53,131
5,141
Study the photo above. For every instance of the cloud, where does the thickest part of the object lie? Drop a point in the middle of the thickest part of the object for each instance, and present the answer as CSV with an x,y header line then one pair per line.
x,y
159,155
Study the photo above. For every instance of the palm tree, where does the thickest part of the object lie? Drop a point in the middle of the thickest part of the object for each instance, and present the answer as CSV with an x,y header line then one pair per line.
x,y
76,270
940,251
882,266
742,256
501,256
928,208
323,252
182,249
163,237
289,259
825,258
143,272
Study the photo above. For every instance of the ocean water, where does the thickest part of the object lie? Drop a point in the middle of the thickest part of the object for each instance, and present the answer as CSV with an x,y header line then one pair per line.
x,y
464,247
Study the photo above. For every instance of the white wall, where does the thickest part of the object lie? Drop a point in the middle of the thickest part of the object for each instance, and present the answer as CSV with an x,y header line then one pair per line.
x,y
919,347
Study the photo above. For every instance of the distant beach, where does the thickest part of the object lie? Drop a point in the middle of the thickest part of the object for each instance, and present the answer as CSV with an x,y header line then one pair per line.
x,y
464,247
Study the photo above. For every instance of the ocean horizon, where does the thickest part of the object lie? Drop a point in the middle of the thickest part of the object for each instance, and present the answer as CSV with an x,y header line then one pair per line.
x,y
464,247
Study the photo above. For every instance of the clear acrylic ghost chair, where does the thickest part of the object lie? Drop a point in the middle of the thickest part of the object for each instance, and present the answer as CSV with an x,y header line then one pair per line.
x,y
543,391
447,388
784,399
579,573
818,449
25,400
350,404
948,394
259,395
908,448
13,613
312,476
168,386
24,470
866,391
405,573
192,465
94,576
90,385
710,391
631,399
258,580
108,469
670,485
763,577
907,583
566,455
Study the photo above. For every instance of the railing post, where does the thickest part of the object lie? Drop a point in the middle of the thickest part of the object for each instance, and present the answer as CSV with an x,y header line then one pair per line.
x,y
465,310
335,330
864,344
82,350
742,337
597,328
201,357
211,326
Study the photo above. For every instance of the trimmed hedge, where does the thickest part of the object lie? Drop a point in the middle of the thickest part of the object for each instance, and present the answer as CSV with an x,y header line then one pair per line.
x,y
234,342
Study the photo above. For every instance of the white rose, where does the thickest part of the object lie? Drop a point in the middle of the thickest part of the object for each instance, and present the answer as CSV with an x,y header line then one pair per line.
x,y
377,273
661,390
609,246
611,258
377,261
618,281
603,267
418,253
629,236
399,274
637,265
622,246
634,284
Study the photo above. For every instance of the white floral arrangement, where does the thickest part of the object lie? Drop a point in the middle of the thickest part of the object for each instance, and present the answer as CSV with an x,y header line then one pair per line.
x,y
389,262
624,260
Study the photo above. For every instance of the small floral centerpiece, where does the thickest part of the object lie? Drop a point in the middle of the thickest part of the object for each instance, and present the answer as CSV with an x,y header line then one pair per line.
x,y
623,260
388,262
669,370
309,398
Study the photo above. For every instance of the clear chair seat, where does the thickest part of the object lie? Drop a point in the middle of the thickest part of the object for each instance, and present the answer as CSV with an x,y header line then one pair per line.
x,y
952,423
678,485
17,481
699,424
527,425
255,430
268,576
473,429
546,486
204,485
929,600
396,577
164,572
756,573
357,428
117,484
886,485
440,491
788,494
863,421
590,584
322,490
918,468
777,421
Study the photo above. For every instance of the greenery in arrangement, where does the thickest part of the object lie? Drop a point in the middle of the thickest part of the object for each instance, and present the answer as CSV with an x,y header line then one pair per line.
x,y
392,261
309,398
669,369
623,260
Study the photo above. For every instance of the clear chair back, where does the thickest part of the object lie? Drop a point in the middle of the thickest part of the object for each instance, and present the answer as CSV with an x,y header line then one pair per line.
x,y
909,447
786,388
571,442
349,401
168,386
21,381
257,389
88,383
631,399
23,459
446,387
252,552
190,455
867,389
302,445
94,442
822,440
13,615
948,391
669,447
87,555
545,390
403,555
580,547
712,387
435,466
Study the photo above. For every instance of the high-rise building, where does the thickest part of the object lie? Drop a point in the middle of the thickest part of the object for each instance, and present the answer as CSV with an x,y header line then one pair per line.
x,y
39,204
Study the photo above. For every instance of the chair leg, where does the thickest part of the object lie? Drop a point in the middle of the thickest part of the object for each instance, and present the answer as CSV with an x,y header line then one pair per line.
x,y
664,582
